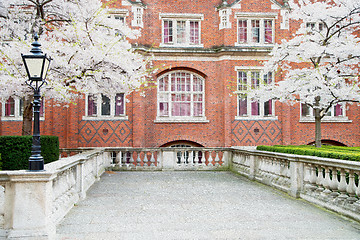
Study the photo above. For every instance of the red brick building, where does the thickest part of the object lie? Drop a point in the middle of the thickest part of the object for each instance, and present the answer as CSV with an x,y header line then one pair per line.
x,y
207,52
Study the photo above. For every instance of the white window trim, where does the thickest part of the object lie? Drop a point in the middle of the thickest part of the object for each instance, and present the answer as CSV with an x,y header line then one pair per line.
x,y
180,119
248,117
136,11
17,116
255,16
180,17
222,13
98,109
332,118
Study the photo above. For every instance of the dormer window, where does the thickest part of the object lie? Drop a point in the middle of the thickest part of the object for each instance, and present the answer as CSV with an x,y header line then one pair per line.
x,y
224,15
137,17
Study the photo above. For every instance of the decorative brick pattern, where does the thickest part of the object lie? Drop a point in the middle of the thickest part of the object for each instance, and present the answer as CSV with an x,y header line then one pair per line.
x,y
256,133
104,133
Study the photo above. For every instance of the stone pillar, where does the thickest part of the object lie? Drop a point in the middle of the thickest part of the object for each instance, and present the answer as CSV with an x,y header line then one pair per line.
x,y
296,177
253,166
28,201
168,159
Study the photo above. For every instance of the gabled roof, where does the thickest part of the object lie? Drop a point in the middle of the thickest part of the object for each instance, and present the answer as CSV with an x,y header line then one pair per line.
x,y
137,2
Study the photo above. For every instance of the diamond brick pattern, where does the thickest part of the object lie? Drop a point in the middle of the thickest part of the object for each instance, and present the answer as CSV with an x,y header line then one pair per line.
x,y
256,133
101,133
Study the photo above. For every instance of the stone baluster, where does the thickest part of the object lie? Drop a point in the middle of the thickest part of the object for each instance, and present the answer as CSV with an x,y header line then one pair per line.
x,y
182,158
307,175
132,160
351,188
334,183
196,158
191,158
203,158
326,184
319,180
313,178
118,162
138,159
152,158
210,160
357,203
217,159
342,186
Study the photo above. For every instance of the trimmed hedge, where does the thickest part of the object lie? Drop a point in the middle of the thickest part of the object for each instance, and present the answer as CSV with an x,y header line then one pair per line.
x,y
16,150
345,153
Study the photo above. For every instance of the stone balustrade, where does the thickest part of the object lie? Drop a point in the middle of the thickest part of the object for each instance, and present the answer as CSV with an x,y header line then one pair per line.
x,y
169,158
330,183
32,203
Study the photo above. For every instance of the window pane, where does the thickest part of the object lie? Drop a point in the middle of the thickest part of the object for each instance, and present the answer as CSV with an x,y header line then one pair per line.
x,y
197,84
242,105
242,31
242,81
21,107
10,107
198,98
163,105
119,104
168,31
255,109
268,78
180,27
305,110
194,32
42,107
255,79
255,30
163,84
268,108
181,105
338,110
105,105
268,31
92,106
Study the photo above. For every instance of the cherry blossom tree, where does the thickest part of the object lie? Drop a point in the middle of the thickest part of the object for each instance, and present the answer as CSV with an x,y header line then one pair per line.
x,y
320,63
91,52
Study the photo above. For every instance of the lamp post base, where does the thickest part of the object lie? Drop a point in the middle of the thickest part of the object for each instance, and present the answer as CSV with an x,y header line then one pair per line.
x,y
36,163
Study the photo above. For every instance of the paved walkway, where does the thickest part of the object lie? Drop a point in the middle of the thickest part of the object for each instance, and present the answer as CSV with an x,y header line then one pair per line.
x,y
196,205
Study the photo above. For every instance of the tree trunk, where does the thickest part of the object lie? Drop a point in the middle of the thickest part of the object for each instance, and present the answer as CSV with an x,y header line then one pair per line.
x,y
27,116
317,124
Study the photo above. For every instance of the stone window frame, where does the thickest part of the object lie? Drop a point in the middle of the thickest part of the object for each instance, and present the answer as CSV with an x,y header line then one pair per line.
x,y
241,90
177,17
169,91
99,103
261,17
18,110
329,117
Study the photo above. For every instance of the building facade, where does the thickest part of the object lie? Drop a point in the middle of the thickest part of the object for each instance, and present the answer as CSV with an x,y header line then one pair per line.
x,y
207,52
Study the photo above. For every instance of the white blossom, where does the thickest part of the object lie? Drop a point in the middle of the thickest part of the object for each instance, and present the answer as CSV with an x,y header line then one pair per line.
x,y
88,56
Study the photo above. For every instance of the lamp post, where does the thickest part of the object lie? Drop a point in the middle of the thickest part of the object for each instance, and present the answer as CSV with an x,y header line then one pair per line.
x,y
36,65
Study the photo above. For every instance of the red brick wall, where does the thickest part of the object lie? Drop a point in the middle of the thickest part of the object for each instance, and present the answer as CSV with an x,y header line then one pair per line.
x,y
141,130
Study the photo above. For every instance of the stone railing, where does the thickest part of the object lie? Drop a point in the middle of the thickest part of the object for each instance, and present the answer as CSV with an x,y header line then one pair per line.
x,y
32,203
330,183
169,158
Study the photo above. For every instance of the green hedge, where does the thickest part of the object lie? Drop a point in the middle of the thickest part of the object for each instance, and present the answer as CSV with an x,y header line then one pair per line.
x,y
16,150
345,153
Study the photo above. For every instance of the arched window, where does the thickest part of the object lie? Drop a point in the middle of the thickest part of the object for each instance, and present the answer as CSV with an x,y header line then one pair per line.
x,y
181,97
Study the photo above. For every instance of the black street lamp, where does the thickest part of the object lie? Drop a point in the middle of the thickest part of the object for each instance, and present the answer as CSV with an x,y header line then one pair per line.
x,y
36,65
